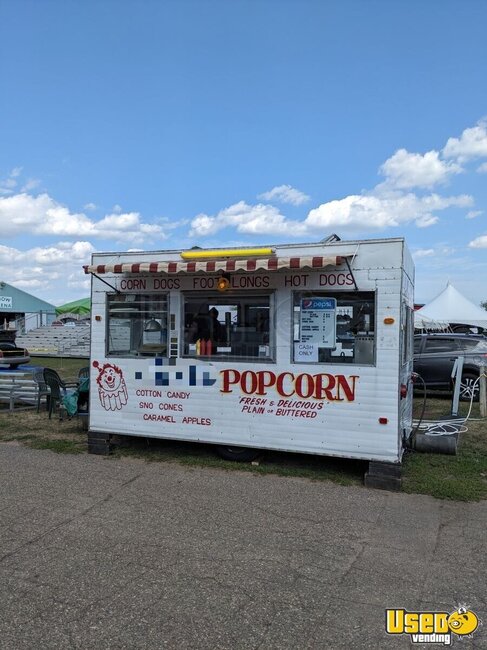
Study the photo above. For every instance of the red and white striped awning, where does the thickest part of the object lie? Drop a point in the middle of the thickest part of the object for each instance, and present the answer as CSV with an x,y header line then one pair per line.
x,y
213,266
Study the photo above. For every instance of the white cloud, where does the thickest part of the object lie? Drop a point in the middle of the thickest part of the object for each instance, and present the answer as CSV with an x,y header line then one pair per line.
x,y
471,144
474,214
405,170
479,242
8,184
382,211
426,221
360,211
285,194
250,219
64,252
90,207
31,184
204,225
482,169
423,252
75,281
38,215
119,221
42,215
364,212
39,269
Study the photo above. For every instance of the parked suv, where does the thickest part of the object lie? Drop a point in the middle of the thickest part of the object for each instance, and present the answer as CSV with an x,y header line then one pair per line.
x,y
435,354
13,356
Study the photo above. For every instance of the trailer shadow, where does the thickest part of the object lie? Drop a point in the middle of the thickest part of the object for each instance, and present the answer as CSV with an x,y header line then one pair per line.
x,y
339,470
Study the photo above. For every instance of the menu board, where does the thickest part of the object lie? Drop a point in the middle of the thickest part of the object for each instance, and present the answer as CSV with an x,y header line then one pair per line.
x,y
318,322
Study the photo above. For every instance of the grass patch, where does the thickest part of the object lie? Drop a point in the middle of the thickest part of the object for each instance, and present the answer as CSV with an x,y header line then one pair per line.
x,y
60,446
67,367
462,477
20,437
36,430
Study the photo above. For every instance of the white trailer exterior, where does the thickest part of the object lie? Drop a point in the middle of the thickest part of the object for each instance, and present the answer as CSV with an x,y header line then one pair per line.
x,y
337,388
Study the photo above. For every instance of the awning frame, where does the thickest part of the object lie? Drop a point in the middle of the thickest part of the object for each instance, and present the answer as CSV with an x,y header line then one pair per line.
x,y
217,266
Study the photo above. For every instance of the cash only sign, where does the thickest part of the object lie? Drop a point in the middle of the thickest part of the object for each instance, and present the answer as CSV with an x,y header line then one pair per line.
x,y
317,328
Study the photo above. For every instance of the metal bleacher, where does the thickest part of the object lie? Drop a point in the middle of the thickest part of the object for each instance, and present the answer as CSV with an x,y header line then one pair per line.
x,y
57,341
18,390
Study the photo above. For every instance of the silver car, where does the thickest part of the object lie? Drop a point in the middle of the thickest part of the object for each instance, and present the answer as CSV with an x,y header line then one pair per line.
x,y
435,354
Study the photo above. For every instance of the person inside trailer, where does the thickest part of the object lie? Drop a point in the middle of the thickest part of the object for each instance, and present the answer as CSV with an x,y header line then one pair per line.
x,y
192,329
198,327
217,331
205,326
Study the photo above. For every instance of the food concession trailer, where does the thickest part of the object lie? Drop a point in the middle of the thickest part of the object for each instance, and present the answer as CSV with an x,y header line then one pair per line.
x,y
298,347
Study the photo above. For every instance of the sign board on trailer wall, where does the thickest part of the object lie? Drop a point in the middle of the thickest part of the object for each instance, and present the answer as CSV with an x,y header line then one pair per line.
x,y
318,322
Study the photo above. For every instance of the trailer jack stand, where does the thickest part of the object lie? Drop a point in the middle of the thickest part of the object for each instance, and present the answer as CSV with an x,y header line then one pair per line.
x,y
383,476
99,443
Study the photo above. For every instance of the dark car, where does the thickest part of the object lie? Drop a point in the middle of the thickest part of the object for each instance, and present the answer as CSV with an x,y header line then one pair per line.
x,y
435,355
13,356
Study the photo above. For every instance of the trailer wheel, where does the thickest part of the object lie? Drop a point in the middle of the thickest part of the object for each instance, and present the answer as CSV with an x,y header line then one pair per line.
x,y
467,387
242,454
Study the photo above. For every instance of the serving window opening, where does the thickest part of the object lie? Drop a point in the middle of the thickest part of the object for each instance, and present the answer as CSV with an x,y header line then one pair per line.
x,y
229,326
334,327
137,325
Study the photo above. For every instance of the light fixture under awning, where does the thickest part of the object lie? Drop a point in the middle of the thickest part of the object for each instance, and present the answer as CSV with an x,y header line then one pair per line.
x,y
215,266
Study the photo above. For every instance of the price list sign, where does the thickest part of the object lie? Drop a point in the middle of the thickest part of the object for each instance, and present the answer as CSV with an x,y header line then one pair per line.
x,y
318,322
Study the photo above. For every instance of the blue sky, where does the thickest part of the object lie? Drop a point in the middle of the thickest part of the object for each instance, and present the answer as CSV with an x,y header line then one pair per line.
x,y
158,125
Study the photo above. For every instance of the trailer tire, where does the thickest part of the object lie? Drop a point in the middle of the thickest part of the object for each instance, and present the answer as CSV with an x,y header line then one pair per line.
x,y
466,387
241,454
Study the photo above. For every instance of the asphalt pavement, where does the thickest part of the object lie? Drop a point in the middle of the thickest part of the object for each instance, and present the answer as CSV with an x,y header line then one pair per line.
x,y
99,553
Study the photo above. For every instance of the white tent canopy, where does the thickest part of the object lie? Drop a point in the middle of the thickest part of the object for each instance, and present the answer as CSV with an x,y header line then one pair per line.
x,y
450,307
